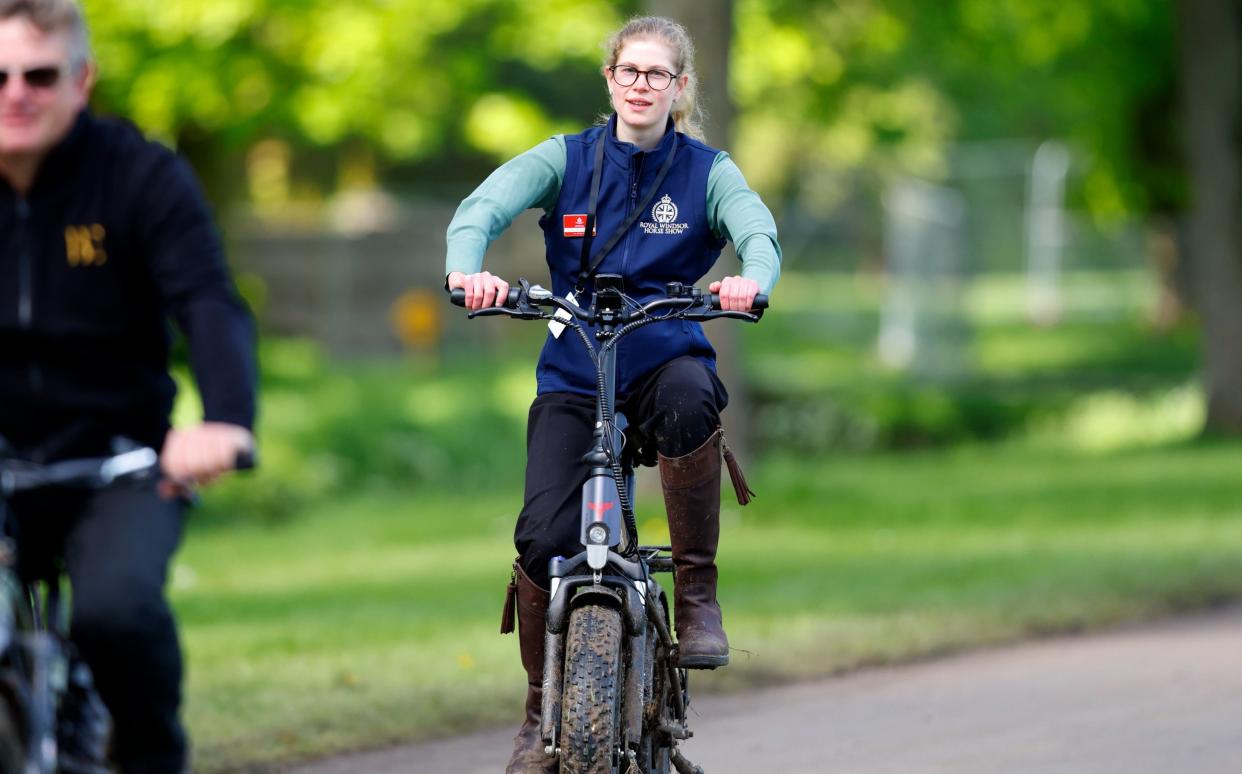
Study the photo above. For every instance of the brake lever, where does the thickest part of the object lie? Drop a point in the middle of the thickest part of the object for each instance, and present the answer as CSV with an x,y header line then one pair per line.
x,y
492,311
524,312
717,314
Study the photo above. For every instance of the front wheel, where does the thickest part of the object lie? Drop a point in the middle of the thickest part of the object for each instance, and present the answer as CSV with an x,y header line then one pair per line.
x,y
591,716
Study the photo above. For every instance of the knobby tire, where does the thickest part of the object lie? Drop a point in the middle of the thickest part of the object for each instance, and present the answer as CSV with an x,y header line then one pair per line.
x,y
591,716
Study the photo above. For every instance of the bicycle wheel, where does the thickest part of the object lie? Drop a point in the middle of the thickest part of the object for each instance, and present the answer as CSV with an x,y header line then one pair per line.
x,y
591,697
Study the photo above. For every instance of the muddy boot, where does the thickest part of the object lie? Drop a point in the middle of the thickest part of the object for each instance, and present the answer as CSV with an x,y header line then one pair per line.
x,y
532,610
692,497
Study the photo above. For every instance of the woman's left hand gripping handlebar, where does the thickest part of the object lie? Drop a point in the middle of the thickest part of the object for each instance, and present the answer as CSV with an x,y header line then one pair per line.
x,y
737,294
482,289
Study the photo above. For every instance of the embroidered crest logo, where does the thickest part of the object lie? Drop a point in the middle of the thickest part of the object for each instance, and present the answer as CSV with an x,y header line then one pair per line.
x,y
664,210
664,218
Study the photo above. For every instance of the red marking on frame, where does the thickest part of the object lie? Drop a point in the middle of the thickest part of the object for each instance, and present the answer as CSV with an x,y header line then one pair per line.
x,y
599,509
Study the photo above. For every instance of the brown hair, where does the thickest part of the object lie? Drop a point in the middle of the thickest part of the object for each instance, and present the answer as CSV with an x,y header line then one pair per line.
x,y
686,114
54,16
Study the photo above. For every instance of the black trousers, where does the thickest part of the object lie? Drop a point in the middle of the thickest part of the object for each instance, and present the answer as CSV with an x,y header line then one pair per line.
x,y
115,545
674,410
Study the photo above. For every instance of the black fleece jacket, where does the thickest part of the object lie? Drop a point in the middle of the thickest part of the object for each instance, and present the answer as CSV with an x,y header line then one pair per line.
x,y
113,241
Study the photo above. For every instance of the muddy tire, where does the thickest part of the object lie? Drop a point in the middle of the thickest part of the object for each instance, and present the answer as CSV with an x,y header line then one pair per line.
x,y
591,716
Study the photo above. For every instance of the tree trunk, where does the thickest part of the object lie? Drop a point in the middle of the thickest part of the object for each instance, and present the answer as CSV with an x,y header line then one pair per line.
x,y
710,24
1210,38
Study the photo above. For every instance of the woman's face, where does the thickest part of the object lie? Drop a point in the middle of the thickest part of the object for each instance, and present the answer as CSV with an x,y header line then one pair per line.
x,y
640,107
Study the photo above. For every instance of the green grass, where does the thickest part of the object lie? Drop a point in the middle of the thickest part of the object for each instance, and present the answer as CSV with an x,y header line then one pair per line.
x,y
373,619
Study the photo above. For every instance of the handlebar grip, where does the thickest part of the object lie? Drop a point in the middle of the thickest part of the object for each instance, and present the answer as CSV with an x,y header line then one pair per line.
x,y
458,297
245,460
760,302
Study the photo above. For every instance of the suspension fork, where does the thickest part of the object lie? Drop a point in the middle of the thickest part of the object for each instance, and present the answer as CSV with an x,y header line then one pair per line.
x,y
550,711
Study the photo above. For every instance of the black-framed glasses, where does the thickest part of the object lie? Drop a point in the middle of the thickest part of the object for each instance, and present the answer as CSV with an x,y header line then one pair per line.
x,y
627,75
42,77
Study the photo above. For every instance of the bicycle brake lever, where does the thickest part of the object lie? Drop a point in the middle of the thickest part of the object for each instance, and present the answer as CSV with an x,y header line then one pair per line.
x,y
523,312
491,311
716,315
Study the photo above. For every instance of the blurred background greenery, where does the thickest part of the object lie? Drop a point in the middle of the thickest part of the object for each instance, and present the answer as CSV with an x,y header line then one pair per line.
x,y
998,394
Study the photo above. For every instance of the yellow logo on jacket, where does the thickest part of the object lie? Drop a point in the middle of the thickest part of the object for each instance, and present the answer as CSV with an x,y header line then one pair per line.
x,y
84,245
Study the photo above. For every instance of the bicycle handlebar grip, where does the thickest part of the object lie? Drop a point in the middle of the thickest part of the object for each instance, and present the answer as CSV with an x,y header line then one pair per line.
x,y
458,297
760,302
245,460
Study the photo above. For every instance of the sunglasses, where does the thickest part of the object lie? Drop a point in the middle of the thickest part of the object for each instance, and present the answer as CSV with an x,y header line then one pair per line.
x,y
44,77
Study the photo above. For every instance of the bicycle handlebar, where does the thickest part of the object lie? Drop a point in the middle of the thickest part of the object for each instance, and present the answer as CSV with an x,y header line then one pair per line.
x,y
245,461
458,297
681,296
89,473
92,473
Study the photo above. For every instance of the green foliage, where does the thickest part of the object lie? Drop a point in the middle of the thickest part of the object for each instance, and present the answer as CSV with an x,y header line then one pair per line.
x,y
326,430
407,78
828,94
820,385
392,73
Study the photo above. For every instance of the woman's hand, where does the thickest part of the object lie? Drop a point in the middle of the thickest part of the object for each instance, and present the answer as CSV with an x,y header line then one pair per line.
x,y
482,289
737,294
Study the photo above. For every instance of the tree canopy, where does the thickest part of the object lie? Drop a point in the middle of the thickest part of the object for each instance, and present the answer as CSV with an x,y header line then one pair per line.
x,y
824,91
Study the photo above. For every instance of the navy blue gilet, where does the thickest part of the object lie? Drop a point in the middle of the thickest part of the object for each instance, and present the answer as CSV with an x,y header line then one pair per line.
x,y
670,242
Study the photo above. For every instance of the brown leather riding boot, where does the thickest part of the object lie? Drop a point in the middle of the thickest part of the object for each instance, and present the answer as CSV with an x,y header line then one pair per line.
x,y
532,611
692,497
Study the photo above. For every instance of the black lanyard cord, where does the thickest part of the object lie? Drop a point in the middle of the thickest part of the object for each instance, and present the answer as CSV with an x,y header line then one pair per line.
x,y
591,263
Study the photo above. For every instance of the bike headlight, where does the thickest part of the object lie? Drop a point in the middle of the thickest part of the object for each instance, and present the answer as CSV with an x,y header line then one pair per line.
x,y
597,534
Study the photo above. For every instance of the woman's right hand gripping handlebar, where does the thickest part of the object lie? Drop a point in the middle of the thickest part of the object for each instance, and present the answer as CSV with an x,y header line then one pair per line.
x,y
482,289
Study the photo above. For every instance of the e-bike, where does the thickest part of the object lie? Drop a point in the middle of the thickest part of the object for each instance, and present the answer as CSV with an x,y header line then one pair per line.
x,y
614,697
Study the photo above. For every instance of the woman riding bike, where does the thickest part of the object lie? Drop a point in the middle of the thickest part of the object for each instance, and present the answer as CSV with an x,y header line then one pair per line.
x,y
643,197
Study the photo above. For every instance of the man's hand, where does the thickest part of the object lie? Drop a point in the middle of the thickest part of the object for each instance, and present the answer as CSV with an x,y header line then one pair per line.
x,y
198,455
482,289
737,294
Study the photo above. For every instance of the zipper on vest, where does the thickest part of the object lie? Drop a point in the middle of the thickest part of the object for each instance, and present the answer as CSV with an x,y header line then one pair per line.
x,y
25,267
636,175
25,288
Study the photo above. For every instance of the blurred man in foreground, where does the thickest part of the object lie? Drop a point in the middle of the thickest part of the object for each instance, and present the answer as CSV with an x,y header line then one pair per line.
x,y
103,238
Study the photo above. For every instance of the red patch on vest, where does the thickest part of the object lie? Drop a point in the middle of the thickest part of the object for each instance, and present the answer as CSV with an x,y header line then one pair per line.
x,y
575,226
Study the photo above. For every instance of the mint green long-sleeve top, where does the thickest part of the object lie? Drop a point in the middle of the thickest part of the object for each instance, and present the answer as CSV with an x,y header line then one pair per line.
x,y
533,179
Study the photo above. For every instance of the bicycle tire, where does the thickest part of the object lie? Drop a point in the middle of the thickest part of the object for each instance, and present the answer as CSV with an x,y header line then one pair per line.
x,y
591,716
